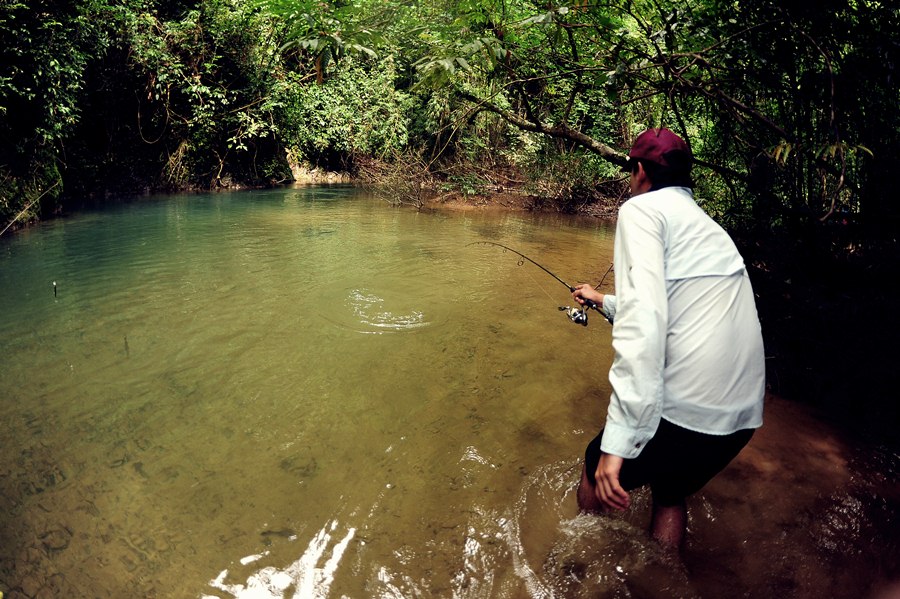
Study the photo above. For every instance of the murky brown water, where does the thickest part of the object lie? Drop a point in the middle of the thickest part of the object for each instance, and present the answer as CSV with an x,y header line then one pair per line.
x,y
306,393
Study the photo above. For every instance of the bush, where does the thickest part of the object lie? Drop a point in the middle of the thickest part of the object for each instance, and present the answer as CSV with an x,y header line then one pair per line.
x,y
356,110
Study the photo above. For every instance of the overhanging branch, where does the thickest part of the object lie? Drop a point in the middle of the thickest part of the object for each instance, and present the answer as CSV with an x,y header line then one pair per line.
x,y
561,131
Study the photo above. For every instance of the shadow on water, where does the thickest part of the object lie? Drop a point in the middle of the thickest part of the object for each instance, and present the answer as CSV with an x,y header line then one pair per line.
x,y
302,393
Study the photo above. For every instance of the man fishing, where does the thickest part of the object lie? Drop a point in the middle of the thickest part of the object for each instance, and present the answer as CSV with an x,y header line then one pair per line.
x,y
688,377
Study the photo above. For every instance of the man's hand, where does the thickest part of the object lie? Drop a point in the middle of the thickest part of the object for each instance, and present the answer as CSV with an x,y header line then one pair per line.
x,y
584,293
608,490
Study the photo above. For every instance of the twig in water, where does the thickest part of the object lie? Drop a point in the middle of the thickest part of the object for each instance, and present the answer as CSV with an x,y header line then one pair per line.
x,y
30,204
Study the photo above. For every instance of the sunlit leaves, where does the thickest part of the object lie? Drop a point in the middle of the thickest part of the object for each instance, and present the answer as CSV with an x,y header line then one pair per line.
x,y
325,31
356,112
782,152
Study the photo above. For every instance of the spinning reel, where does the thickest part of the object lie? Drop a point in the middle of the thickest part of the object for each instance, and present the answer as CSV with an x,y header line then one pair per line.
x,y
577,314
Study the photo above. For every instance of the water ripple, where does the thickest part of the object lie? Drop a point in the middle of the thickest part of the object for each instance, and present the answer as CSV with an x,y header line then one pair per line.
x,y
369,309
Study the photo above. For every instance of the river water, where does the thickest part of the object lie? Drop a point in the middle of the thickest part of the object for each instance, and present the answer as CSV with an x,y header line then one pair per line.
x,y
308,393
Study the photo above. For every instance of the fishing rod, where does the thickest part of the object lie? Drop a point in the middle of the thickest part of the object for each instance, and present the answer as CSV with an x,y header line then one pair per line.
x,y
576,314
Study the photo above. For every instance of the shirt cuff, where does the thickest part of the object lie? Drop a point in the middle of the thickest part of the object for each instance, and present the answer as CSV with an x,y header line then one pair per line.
x,y
609,307
623,441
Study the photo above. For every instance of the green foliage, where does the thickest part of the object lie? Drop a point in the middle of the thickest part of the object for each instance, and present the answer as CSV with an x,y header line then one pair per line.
x,y
325,31
791,110
46,47
357,110
210,89
42,59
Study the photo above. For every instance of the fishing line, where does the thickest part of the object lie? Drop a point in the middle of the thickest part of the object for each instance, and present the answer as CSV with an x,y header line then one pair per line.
x,y
540,286
524,257
576,315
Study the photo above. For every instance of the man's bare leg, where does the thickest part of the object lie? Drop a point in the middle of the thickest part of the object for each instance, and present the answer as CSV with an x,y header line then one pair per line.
x,y
587,498
668,524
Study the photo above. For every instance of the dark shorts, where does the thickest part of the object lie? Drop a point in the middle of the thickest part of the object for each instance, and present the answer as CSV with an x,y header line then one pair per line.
x,y
676,462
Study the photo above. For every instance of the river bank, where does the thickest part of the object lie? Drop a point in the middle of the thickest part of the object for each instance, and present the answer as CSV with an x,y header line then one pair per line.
x,y
521,201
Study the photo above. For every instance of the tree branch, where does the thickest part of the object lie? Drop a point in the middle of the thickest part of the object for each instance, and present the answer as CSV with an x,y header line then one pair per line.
x,y
561,131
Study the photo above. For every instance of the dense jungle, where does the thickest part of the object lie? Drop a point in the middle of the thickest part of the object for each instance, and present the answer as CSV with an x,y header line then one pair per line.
x,y
792,110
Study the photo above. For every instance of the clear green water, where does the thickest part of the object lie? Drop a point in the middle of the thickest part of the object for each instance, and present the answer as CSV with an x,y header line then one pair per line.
x,y
308,393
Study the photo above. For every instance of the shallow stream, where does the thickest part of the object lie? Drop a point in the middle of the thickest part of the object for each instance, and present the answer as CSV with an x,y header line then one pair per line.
x,y
308,393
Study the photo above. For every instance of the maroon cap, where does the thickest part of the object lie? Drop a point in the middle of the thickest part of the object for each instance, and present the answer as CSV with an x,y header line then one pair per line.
x,y
662,147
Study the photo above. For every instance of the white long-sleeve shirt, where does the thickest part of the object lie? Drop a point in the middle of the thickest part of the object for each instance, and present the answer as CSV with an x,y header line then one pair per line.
x,y
686,335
